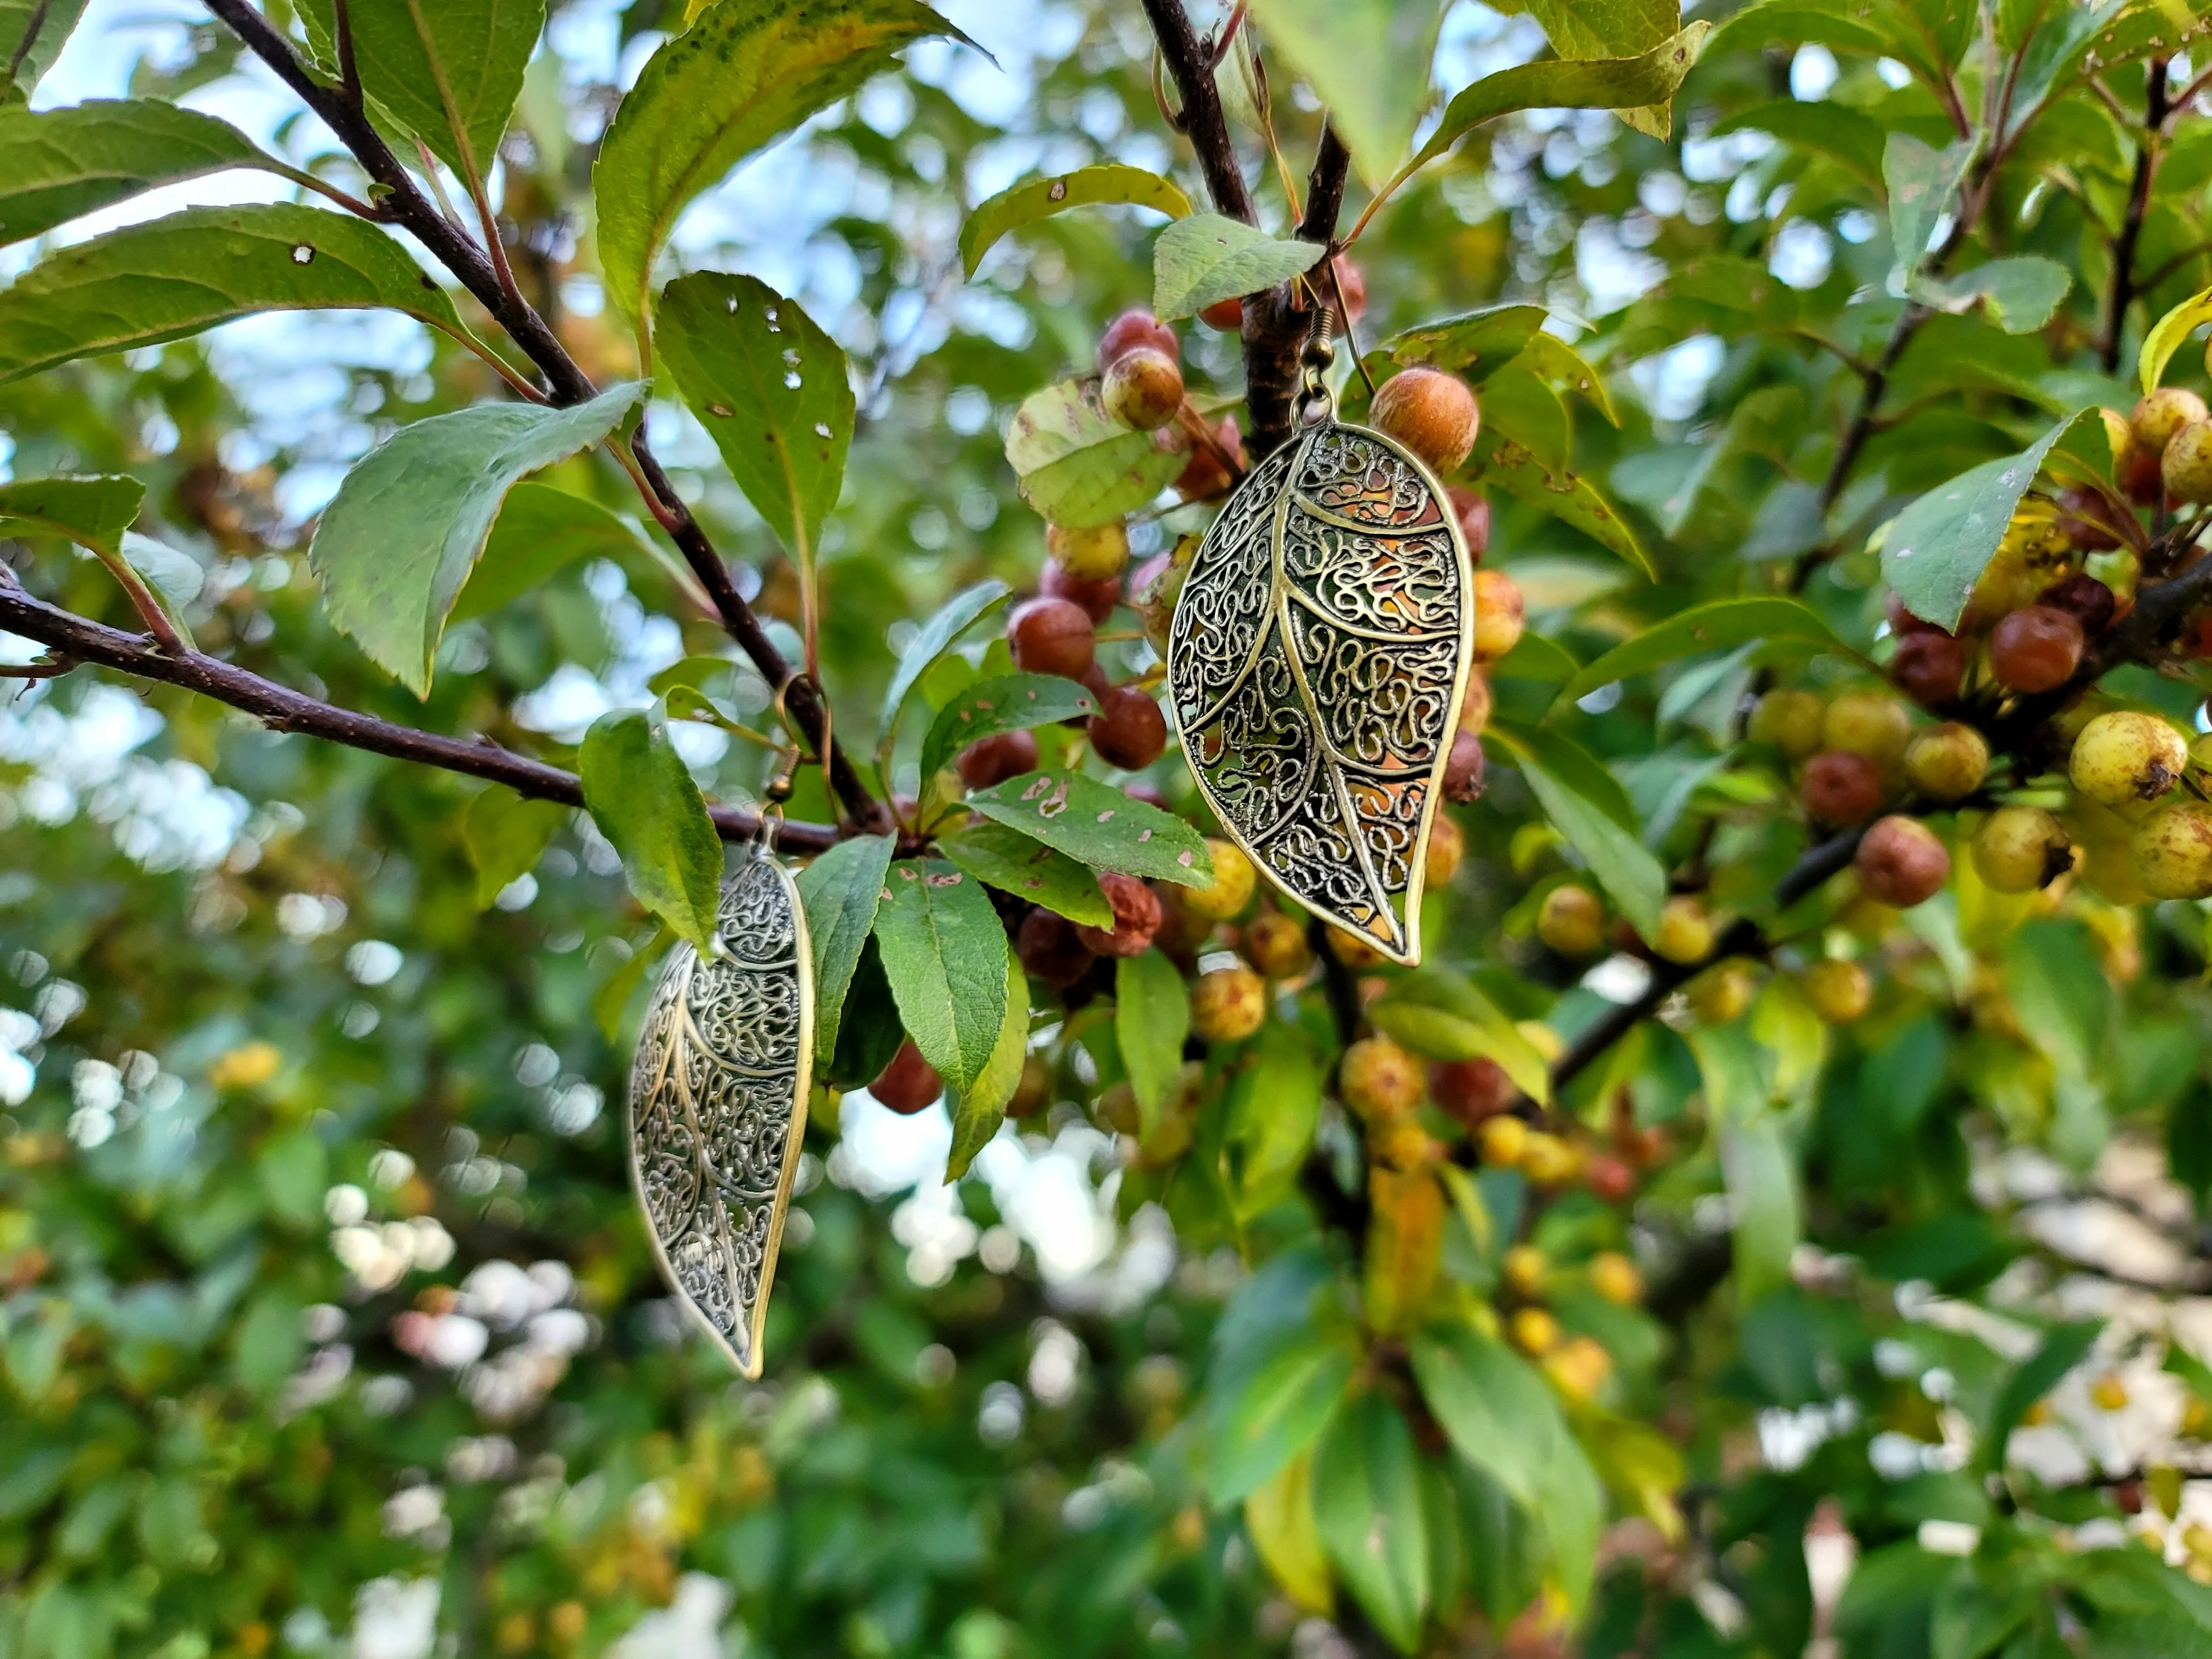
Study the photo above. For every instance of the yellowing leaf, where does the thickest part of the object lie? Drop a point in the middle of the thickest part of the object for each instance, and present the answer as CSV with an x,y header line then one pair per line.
x,y
1279,1516
1027,203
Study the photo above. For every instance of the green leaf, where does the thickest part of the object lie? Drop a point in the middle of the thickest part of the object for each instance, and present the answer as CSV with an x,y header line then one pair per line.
x,y
61,164
1039,198
1567,495
1937,548
1077,466
1151,1018
32,35
2064,1348
1800,22
397,544
1569,785
1761,1180
841,890
540,531
1921,181
178,275
2021,295
1718,625
771,389
1098,825
91,511
641,797
175,576
945,954
1367,1503
1367,60
1010,861
1005,702
506,835
1647,80
1441,1015
1553,361
448,71
930,642
1474,346
978,1111
1273,1109
1208,258
1836,130
740,77
1280,1410
1607,28
2166,335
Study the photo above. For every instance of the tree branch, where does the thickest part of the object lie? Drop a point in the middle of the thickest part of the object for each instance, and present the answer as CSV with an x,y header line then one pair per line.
x,y
406,205
2123,291
69,637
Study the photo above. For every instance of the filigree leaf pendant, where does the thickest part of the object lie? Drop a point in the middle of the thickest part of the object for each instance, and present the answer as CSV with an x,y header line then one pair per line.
x,y
717,1104
1318,655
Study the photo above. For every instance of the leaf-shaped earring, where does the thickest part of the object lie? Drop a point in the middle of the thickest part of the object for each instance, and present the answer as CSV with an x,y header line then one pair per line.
x,y
718,1102
1316,661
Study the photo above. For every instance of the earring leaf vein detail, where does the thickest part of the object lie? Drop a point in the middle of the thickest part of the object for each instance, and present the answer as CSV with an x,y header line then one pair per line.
x,y
718,1094
1317,657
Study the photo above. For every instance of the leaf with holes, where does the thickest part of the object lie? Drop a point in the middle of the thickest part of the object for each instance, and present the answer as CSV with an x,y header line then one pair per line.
x,y
739,78
1003,703
174,276
57,165
770,387
945,954
1037,199
1317,656
448,71
398,541
1010,861
1098,825
1208,258
1077,466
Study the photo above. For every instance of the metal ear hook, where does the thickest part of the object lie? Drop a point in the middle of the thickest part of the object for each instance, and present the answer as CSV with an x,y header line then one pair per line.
x,y
1316,403
789,759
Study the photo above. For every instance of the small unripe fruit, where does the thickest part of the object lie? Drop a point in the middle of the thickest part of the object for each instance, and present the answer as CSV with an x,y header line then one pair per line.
x,y
1721,994
1227,1004
1205,476
1524,1269
1500,613
1548,1161
1841,787
2125,758
1277,945
2085,599
1225,315
2137,474
2021,849
1118,1110
1142,390
1097,598
1534,1331
1472,512
993,760
1134,329
1050,949
1128,731
1946,762
1928,667
1380,1080
1232,889
2162,414
2088,521
1090,553
1464,769
1432,413
2172,852
1475,703
1791,721
1901,862
2036,648
908,1084
1614,1277
1504,1141
1052,636
1579,1367
1447,847
1136,917
1033,1092
1608,1178
1903,622
1869,723
1839,992
1571,921
1471,1091
1685,932
1353,952
1400,1143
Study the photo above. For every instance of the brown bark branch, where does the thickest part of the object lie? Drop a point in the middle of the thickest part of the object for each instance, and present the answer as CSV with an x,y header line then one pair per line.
x,y
2121,293
69,637
406,205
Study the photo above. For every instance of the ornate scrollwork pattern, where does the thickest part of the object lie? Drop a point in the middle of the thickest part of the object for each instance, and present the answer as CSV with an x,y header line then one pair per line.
x,y
717,1104
1317,658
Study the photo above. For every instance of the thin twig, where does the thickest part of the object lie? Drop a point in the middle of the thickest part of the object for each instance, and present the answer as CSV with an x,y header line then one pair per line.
x,y
2148,154
67,635
48,667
